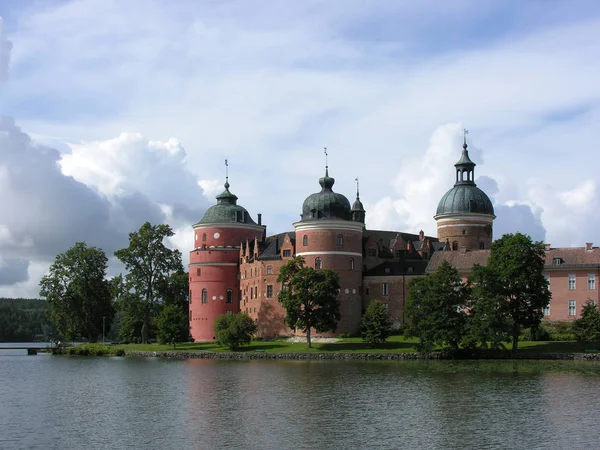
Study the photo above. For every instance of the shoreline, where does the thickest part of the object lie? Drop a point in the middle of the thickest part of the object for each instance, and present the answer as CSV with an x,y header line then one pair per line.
x,y
408,356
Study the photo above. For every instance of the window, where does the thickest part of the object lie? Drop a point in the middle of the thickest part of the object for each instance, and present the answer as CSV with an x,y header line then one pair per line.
x,y
387,270
398,254
251,293
318,263
190,297
255,271
387,308
464,232
269,270
340,240
547,277
571,281
255,291
204,296
287,253
367,290
455,245
481,246
351,260
204,237
556,261
305,240
198,271
269,291
591,281
409,269
572,308
229,296
384,289
229,313
371,252
547,310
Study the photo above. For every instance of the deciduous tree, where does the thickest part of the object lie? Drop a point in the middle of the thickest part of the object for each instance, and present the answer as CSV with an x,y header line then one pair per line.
x,y
587,328
309,297
435,308
78,292
172,325
234,330
148,262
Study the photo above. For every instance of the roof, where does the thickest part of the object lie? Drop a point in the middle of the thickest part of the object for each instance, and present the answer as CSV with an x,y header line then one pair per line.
x,y
573,257
395,268
465,199
226,210
271,249
326,204
461,261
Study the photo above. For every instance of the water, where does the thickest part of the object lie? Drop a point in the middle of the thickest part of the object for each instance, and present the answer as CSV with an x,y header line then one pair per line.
x,y
148,403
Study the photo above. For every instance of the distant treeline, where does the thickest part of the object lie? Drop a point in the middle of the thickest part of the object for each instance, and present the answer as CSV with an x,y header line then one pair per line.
x,y
25,320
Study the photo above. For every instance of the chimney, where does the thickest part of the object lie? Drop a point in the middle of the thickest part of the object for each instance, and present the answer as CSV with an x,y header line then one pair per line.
x,y
588,245
547,247
259,218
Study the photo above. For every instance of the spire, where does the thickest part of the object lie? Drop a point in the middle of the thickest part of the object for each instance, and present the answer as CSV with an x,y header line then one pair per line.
x,y
465,168
226,196
326,165
326,182
226,174
358,210
357,193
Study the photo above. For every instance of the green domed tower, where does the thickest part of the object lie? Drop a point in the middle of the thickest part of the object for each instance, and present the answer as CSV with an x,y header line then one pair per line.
x,y
465,213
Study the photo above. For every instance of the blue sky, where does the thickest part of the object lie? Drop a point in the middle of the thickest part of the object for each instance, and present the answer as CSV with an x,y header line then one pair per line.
x,y
138,103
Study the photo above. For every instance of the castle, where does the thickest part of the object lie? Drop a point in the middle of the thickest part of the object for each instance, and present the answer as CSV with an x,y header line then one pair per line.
x,y
234,264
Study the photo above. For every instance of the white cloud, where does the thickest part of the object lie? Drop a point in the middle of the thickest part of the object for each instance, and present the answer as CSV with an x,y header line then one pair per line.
x,y
5,50
211,188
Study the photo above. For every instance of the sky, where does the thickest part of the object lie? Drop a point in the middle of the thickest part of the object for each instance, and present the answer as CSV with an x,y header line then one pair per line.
x,y
114,113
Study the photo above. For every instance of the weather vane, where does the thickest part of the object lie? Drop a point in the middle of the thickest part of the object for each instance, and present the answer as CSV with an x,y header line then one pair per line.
x,y
465,132
356,179
226,170
326,165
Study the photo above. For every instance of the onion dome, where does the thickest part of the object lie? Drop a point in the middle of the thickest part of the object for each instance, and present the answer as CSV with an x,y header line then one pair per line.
x,y
226,210
326,204
465,197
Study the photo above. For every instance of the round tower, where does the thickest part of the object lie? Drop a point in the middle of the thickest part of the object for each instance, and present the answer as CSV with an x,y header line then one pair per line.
x,y
465,213
329,236
214,263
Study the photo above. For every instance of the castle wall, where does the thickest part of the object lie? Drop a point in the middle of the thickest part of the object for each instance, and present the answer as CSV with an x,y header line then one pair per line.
x,y
471,232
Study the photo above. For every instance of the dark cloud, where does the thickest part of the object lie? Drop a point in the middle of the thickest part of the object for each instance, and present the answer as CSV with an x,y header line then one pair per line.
x,y
13,271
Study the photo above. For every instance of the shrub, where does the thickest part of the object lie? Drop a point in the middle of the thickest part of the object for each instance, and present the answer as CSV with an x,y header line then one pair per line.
x,y
234,330
376,323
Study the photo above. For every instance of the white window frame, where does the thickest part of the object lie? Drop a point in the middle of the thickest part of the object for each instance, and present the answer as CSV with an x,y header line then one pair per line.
x,y
385,289
591,281
547,311
572,282
572,308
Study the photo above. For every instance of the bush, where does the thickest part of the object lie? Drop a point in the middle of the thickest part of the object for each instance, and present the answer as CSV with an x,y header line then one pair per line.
x,y
234,330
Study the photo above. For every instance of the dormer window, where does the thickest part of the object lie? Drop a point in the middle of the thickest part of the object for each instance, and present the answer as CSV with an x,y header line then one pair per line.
x,y
557,261
240,216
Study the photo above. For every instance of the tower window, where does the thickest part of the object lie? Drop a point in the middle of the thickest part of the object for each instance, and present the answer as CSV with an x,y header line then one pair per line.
x,y
305,240
351,263
204,237
229,296
204,296
318,263
198,271
340,240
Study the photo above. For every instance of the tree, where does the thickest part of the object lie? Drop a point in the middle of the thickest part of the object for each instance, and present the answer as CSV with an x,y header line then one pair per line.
x,y
148,262
376,323
488,322
78,293
234,330
587,328
309,297
516,266
172,325
435,308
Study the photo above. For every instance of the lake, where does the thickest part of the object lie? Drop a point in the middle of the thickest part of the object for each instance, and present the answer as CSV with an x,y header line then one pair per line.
x,y
149,403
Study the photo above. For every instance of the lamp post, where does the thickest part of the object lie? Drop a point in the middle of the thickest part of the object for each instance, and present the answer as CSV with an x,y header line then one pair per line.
x,y
103,325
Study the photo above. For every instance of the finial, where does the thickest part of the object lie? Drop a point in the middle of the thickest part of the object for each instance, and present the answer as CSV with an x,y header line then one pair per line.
x,y
326,165
357,194
226,174
465,132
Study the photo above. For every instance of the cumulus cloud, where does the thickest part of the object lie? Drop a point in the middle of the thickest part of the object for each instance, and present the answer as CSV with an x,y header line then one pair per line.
x,y
5,48
99,193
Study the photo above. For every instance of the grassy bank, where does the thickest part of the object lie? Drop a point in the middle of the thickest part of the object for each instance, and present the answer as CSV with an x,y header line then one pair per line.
x,y
395,344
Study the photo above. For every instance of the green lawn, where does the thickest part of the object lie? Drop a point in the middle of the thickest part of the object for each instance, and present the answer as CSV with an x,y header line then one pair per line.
x,y
395,344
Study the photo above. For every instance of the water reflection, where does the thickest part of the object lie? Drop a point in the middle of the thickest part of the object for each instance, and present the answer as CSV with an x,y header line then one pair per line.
x,y
108,403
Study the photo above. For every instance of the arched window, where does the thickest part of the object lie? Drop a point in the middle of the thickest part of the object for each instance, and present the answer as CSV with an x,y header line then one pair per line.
x,y
305,240
351,263
340,240
455,245
229,296
204,296
318,263
204,237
